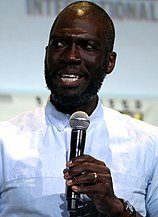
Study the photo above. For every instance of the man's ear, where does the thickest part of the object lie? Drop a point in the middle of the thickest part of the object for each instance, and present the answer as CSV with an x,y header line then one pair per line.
x,y
111,60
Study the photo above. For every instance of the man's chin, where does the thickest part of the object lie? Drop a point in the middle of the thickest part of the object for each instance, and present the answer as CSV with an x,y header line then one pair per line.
x,y
68,103
69,100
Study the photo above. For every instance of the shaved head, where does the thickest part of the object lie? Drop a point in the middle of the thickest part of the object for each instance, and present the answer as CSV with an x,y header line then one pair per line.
x,y
90,9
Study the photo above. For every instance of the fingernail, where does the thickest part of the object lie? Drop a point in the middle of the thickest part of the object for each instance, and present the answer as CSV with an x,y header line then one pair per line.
x,y
69,162
75,188
69,182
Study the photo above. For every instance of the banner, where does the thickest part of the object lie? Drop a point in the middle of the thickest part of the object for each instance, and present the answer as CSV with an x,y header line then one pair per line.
x,y
142,109
25,26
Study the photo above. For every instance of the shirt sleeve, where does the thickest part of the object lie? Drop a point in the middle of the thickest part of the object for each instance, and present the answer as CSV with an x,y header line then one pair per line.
x,y
1,166
152,190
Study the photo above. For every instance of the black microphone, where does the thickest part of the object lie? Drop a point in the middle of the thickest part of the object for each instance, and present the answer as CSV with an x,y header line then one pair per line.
x,y
79,122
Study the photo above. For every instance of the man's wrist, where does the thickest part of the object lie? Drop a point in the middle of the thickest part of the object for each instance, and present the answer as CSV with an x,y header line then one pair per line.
x,y
129,210
121,208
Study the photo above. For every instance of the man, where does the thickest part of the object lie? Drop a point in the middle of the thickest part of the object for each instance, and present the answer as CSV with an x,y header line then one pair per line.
x,y
121,153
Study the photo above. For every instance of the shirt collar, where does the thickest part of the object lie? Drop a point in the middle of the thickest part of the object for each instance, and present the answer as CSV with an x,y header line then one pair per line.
x,y
58,119
61,120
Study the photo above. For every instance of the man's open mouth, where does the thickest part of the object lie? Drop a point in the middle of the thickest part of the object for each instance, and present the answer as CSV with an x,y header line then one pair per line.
x,y
69,77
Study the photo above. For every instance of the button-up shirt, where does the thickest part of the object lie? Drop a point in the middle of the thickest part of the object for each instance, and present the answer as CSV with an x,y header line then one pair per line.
x,y
34,148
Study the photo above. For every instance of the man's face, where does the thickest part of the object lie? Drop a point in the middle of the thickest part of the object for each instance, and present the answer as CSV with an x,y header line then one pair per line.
x,y
76,59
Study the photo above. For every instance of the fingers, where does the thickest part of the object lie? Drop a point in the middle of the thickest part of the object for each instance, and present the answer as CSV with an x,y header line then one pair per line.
x,y
98,190
82,159
85,163
86,170
90,183
87,175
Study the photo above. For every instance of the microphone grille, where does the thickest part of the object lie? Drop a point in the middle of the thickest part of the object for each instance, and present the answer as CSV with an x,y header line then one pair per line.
x,y
79,120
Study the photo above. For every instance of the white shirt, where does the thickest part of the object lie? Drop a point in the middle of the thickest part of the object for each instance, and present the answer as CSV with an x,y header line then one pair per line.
x,y
34,148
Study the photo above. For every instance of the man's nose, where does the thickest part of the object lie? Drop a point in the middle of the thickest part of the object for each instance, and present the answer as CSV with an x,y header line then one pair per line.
x,y
72,54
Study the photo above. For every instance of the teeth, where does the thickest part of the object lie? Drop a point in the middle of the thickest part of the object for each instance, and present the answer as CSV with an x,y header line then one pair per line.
x,y
69,77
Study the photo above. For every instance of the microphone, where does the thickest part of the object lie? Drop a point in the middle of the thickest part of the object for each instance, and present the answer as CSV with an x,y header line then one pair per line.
x,y
79,122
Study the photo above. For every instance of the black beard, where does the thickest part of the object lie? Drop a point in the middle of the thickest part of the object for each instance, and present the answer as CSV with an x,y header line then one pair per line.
x,y
70,102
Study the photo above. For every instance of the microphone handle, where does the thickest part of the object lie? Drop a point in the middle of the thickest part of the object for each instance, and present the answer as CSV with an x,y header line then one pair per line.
x,y
78,137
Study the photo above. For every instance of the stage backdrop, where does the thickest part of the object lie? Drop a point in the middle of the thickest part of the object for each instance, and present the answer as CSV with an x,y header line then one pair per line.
x,y
142,109
25,26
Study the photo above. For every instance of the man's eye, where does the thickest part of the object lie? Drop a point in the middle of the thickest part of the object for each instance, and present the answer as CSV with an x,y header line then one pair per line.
x,y
88,46
57,44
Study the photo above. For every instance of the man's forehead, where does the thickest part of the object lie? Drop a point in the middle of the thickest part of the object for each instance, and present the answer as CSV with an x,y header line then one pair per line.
x,y
78,24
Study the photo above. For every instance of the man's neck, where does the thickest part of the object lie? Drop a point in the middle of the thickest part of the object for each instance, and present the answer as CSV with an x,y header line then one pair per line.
x,y
89,107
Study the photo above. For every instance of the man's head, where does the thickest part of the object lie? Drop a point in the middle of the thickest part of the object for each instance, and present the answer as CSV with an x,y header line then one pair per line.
x,y
79,55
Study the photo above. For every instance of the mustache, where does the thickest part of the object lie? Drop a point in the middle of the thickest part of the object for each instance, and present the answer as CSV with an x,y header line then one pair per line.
x,y
69,70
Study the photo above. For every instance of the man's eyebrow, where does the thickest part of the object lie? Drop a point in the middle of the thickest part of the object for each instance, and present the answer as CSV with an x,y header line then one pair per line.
x,y
78,38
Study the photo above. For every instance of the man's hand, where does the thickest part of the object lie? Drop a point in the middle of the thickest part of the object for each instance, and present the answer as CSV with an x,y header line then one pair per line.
x,y
90,176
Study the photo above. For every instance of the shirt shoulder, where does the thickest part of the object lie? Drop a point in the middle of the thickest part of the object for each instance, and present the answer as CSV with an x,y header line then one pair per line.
x,y
118,121
27,121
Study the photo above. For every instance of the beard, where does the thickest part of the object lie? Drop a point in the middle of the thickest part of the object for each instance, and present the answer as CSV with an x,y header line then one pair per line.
x,y
68,102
